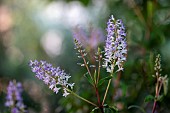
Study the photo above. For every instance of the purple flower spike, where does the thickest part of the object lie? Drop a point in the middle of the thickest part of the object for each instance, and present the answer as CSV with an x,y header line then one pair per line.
x,y
15,110
55,78
116,45
14,99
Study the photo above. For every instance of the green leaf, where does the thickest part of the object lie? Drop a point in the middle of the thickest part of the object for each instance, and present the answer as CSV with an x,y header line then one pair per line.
x,y
138,107
95,110
149,98
165,85
89,78
105,105
160,98
101,81
110,109
106,109
114,108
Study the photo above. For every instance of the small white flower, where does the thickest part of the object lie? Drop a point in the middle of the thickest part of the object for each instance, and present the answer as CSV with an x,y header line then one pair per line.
x,y
56,90
65,93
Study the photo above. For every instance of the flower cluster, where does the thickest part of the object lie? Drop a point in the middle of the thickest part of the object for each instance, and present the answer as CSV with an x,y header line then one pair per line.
x,y
157,67
116,45
14,99
81,52
160,79
55,78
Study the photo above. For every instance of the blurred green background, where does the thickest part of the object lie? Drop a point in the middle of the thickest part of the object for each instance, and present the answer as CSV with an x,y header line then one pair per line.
x,y
43,30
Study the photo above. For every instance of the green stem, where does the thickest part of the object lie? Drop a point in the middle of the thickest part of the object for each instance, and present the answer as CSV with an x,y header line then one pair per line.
x,y
81,98
98,74
158,89
106,91
154,106
85,63
87,67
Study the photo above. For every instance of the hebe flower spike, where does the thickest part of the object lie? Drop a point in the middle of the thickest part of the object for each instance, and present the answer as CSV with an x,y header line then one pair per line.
x,y
161,81
157,67
55,78
116,45
14,98
82,54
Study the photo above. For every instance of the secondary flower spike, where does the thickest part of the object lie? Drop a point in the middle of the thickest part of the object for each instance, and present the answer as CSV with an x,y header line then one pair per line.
x,y
55,78
14,99
116,45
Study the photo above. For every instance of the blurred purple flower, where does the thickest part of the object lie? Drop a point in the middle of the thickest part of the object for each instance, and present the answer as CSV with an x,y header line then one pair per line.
x,y
116,45
14,98
15,110
91,39
55,78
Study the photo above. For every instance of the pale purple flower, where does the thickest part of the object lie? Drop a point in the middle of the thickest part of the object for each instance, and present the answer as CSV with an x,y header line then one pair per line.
x,y
14,98
15,110
116,45
55,78
91,37
65,93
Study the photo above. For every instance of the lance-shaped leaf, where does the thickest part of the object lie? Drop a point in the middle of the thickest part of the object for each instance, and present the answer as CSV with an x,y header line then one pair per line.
x,y
90,80
165,84
110,109
149,98
138,107
101,81
95,110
